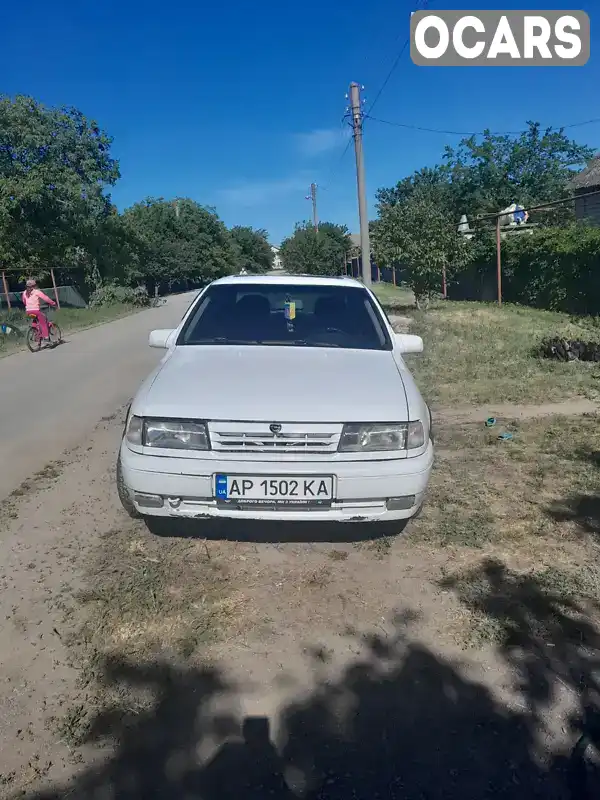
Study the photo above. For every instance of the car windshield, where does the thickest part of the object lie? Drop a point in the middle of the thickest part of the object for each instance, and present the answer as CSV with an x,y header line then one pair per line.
x,y
291,315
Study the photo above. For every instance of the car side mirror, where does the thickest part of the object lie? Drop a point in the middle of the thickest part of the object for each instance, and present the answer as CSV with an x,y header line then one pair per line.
x,y
407,343
160,338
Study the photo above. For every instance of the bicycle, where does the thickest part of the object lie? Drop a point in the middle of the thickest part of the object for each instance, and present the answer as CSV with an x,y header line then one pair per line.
x,y
34,335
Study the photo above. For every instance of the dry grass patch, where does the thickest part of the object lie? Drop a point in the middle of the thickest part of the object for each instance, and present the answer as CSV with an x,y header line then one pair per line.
x,y
531,504
148,593
318,578
478,353
338,555
146,598
514,494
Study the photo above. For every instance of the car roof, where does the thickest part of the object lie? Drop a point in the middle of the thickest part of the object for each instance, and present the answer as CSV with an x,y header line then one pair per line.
x,y
294,280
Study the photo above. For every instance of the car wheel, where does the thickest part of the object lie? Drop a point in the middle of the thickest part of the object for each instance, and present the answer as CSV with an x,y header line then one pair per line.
x,y
124,495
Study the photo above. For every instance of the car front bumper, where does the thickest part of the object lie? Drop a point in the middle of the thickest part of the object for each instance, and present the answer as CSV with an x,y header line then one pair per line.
x,y
364,491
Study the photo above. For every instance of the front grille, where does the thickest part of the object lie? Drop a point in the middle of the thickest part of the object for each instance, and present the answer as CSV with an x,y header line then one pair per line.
x,y
235,437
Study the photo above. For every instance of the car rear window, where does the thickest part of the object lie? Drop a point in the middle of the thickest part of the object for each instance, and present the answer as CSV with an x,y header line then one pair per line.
x,y
286,315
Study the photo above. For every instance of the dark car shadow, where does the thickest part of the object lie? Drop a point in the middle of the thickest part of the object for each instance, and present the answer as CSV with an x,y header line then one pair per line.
x,y
260,531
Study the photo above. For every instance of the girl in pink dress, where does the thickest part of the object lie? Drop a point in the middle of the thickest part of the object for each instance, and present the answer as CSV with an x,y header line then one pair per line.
x,y
32,297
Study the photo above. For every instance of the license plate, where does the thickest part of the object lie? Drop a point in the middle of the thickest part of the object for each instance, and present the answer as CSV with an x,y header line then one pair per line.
x,y
266,490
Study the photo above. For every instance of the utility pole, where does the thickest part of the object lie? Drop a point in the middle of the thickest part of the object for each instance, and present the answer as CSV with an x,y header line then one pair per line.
x,y
313,197
498,260
357,125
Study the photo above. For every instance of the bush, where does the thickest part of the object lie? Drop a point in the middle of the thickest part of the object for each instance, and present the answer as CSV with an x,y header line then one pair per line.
x,y
12,317
15,322
554,268
111,294
557,269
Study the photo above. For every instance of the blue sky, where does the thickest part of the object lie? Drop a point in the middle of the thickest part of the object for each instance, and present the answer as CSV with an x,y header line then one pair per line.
x,y
239,105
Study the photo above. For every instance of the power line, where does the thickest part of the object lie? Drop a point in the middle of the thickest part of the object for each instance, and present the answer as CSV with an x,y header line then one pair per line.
x,y
422,4
474,133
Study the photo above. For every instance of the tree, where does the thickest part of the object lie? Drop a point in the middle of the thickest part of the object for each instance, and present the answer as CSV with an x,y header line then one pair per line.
x,y
435,182
110,254
485,174
421,235
313,252
54,168
531,168
178,242
255,254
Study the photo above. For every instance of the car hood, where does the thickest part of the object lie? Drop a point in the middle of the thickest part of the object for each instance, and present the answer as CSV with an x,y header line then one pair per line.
x,y
287,384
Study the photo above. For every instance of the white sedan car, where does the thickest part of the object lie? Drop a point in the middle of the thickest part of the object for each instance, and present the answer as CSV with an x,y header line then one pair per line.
x,y
279,398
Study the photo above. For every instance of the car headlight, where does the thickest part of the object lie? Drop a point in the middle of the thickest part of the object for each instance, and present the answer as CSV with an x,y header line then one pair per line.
x,y
135,427
167,434
373,438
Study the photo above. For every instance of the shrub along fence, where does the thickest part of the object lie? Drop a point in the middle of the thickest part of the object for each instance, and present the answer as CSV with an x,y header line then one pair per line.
x,y
552,268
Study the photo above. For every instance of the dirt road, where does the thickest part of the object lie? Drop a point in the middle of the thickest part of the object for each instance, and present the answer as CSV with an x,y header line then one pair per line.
x,y
139,666
50,400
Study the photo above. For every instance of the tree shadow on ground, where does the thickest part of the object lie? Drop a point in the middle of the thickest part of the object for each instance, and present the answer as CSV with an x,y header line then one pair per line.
x,y
265,531
547,638
399,722
583,510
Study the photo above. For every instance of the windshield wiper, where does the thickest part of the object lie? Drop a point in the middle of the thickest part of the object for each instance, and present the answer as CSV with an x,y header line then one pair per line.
x,y
225,340
266,342
299,343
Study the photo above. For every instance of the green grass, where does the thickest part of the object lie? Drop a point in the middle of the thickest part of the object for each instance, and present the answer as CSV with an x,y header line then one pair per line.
x,y
520,495
69,320
530,504
477,353
394,298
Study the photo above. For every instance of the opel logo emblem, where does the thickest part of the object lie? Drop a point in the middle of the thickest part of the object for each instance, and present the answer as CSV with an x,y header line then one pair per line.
x,y
275,427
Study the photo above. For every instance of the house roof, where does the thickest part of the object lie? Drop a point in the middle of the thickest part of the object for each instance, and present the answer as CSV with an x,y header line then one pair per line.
x,y
588,177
